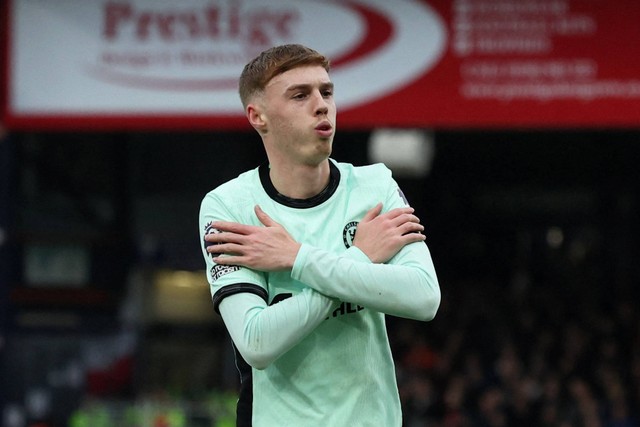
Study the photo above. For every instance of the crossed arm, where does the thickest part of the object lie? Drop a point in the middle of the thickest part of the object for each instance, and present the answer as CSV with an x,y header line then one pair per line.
x,y
360,276
271,248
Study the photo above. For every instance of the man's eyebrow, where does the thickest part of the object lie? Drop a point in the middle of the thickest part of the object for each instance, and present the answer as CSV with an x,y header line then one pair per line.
x,y
307,86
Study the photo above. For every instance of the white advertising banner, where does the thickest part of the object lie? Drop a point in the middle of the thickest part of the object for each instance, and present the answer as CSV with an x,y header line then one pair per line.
x,y
101,57
167,64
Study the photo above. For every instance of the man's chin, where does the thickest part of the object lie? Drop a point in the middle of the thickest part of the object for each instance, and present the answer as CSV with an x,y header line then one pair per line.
x,y
318,158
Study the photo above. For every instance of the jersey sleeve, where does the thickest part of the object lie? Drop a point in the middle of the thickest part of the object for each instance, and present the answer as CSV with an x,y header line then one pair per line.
x,y
260,332
225,280
406,286
263,333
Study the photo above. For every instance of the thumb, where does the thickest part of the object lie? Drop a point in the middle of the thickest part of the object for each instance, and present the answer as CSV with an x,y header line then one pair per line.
x,y
263,217
372,213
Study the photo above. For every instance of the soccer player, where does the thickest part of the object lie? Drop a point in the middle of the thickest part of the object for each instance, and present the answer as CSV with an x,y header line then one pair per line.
x,y
306,255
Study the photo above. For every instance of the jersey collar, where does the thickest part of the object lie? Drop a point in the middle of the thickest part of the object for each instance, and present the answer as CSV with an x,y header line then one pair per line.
x,y
325,194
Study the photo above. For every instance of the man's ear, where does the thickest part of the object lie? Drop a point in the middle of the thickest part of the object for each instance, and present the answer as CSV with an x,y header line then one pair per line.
x,y
256,118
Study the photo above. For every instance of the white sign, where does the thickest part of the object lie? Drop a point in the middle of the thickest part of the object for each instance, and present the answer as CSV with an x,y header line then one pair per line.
x,y
101,57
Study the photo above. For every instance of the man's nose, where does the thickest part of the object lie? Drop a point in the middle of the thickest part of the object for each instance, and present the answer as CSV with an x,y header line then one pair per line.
x,y
322,108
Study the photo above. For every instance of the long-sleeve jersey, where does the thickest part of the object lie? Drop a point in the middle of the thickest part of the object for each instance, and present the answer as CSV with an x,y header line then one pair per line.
x,y
311,342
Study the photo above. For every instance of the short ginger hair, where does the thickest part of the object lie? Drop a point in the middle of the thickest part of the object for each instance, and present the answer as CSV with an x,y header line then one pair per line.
x,y
272,62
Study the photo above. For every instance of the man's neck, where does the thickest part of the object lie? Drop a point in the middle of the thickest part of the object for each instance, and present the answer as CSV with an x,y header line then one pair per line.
x,y
300,181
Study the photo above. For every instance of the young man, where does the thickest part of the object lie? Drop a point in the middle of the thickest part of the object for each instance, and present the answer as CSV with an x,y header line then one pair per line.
x,y
306,255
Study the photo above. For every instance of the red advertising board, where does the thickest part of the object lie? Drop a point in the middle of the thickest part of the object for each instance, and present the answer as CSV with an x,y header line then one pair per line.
x,y
144,64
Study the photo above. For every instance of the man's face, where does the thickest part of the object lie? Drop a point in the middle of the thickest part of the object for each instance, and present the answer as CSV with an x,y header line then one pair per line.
x,y
300,114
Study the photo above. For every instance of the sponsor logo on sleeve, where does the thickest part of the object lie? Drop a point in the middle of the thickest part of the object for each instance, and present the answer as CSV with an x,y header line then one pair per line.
x,y
217,271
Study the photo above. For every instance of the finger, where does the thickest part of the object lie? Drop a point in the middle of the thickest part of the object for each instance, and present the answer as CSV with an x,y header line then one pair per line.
x,y
394,213
411,227
233,227
372,213
395,216
224,237
413,237
228,260
225,248
264,218
405,218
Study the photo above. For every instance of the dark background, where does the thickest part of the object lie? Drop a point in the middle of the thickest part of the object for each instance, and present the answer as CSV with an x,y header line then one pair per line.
x,y
534,235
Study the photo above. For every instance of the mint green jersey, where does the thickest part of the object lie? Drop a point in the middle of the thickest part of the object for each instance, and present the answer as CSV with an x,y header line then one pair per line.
x,y
341,373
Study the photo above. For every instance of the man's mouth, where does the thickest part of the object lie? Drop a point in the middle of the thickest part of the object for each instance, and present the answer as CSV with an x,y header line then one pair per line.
x,y
324,129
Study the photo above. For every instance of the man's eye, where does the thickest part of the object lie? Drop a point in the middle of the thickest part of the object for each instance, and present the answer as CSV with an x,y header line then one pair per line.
x,y
299,96
327,93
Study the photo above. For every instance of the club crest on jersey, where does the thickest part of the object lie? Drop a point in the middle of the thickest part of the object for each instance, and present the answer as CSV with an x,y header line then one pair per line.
x,y
349,232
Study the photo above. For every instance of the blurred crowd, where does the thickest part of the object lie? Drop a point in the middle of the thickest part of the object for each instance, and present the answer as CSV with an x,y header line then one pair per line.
x,y
522,356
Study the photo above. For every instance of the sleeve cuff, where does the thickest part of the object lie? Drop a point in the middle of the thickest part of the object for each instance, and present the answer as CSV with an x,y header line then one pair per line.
x,y
306,251
357,255
300,261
